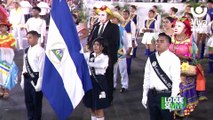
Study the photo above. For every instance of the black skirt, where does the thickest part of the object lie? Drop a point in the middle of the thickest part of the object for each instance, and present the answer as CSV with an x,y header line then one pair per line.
x,y
92,97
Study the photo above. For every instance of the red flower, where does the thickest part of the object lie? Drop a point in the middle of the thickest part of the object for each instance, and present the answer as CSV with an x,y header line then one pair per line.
x,y
103,8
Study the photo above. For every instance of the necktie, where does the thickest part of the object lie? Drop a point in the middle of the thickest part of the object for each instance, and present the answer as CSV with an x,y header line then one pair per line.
x,y
101,31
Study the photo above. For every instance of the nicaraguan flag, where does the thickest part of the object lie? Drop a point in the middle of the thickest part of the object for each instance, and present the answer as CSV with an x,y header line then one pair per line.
x,y
66,77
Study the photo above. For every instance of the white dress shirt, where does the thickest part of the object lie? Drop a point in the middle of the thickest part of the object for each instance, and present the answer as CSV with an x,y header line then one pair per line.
x,y
101,24
170,64
36,57
38,25
100,63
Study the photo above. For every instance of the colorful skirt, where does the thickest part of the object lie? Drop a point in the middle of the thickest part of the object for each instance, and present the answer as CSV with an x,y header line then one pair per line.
x,y
188,90
8,68
8,75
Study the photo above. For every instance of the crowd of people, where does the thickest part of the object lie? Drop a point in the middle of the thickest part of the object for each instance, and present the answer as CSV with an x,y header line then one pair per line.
x,y
163,37
109,41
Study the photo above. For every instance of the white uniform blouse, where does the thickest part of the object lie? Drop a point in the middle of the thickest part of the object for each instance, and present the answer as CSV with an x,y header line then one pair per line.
x,y
100,63
38,25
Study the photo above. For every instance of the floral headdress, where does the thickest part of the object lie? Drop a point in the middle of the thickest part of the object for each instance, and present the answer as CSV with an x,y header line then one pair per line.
x,y
187,24
104,8
4,17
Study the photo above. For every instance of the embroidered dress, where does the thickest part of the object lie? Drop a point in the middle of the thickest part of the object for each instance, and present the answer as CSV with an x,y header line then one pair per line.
x,y
8,68
133,17
188,83
148,35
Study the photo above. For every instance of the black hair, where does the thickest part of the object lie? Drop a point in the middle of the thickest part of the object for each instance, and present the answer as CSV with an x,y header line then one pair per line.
x,y
100,40
189,6
168,38
190,14
133,6
126,11
34,33
118,7
94,8
155,6
152,11
209,1
175,10
8,28
37,8
170,19
77,18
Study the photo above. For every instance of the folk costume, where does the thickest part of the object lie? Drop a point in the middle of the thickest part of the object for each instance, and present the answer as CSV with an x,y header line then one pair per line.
x,y
151,28
135,19
186,49
130,28
8,68
124,49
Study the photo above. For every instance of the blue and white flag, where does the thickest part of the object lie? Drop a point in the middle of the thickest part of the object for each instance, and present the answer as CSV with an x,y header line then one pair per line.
x,y
66,76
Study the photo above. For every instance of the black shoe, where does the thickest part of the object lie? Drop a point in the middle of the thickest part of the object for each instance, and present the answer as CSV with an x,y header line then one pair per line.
x,y
123,90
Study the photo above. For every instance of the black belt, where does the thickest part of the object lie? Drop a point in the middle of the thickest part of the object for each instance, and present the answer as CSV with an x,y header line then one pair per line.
x,y
27,75
156,92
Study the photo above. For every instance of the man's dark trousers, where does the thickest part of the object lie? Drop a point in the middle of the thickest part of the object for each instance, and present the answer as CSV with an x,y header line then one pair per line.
x,y
33,99
154,106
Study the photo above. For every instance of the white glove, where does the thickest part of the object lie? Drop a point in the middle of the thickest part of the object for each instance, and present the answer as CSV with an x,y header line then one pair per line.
x,y
22,82
144,101
36,87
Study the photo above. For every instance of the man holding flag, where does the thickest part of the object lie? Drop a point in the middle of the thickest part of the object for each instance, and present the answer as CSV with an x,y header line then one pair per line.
x,y
66,77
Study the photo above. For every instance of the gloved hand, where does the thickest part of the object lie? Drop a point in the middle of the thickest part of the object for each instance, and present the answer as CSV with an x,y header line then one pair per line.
x,y
36,87
144,101
22,82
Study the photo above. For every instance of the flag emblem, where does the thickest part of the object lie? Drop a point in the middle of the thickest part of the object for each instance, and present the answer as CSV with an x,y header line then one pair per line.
x,y
57,53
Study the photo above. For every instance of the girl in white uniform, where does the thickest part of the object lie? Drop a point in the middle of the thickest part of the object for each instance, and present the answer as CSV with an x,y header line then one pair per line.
x,y
97,98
